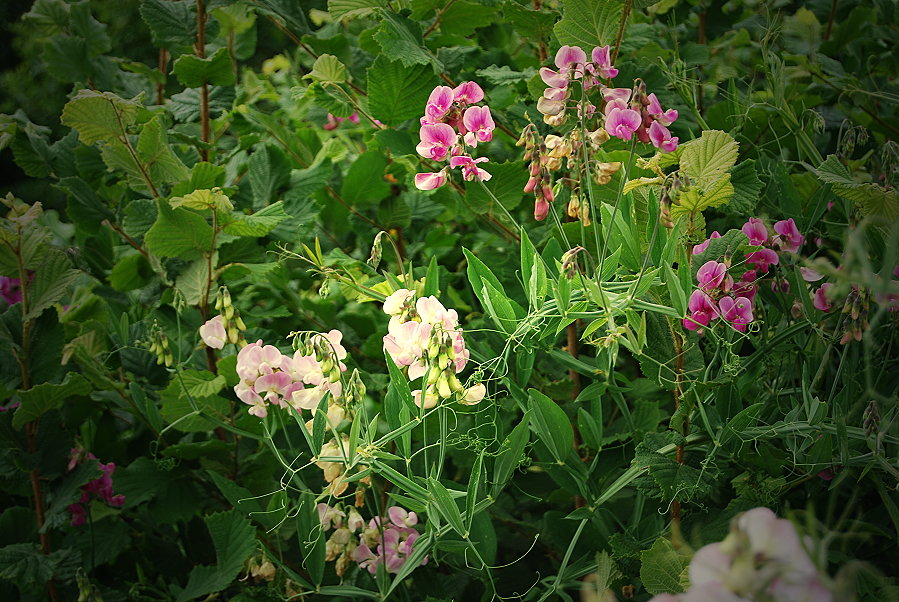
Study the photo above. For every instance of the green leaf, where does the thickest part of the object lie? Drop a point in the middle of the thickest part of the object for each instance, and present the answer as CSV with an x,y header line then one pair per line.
x,y
268,170
747,187
258,224
397,92
552,425
661,567
499,307
700,197
461,18
533,25
193,71
327,68
84,207
364,182
25,564
234,540
310,536
203,199
353,9
194,280
178,233
872,199
500,76
140,215
51,281
177,408
709,157
507,185
99,116
588,23
156,155
39,399
289,12
172,23
130,272
446,506
400,38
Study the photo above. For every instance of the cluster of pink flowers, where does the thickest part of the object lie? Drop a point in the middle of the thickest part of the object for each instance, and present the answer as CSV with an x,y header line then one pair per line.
x,y
626,112
425,338
101,487
719,296
387,541
622,113
762,558
451,113
269,378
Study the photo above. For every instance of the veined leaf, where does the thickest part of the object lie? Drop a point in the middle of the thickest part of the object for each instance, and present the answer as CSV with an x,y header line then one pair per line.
x,y
234,540
353,9
99,115
39,399
588,23
552,424
327,68
397,92
193,71
258,224
709,157
661,568
178,233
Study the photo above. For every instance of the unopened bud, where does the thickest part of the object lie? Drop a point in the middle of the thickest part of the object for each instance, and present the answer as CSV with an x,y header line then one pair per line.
x,y
375,257
238,321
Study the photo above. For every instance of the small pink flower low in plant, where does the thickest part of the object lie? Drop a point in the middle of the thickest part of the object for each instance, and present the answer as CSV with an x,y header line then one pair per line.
x,y
737,311
430,181
789,239
711,275
661,137
702,310
213,333
820,300
755,230
701,247
470,171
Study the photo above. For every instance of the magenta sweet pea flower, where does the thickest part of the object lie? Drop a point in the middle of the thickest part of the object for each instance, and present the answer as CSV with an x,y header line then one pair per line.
x,y
553,79
603,63
790,239
468,93
736,311
702,310
439,103
430,181
761,259
470,170
654,110
810,275
480,125
10,290
661,137
701,247
711,275
436,140
571,58
746,287
755,230
622,123
541,209
820,300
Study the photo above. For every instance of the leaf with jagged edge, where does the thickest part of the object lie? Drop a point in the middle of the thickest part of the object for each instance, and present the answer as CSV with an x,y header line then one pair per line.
x,y
178,233
747,187
353,9
397,92
400,38
99,116
872,199
589,23
51,280
172,23
327,68
709,156
193,71
699,197
234,539
661,567
38,400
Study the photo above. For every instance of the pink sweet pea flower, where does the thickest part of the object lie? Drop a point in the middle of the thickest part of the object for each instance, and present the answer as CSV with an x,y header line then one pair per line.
x,y
439,103
661,137
761,259
479,123
571,58
622,123
701,247
468,93
810,275
553,79
436,140
702,310
213,333
746,286
654,110
736,311
790,239
430,181
603,63
541,209
470,171
820,300
711,275
755,230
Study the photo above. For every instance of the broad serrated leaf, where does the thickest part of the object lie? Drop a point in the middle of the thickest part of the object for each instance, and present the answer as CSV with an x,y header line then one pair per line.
x,y
268,170
499,76
172,23
400,38
364,182
506,185
50,283
130,272
193,71
39,399
84,206
872,199
203,199
701,197
156,156
235,540
99,115
327,68
353,9
661,567
289,12
258,224
178,233
179,397
193,282
552,425
747,187
397,92
708,157
588,23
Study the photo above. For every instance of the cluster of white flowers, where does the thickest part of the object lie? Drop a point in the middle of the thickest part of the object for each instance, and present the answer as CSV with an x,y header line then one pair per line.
x,y
425,337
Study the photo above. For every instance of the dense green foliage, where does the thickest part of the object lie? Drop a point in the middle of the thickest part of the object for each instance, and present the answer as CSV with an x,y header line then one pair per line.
x,y
172,161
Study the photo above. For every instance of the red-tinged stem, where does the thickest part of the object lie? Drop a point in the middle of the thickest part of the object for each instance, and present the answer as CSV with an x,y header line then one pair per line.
x,y
204,89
